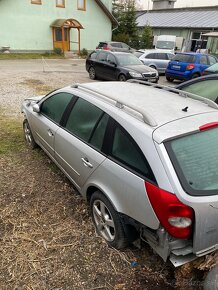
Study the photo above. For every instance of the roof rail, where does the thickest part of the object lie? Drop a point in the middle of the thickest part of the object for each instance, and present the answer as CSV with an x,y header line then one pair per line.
x,y
147,118
210,103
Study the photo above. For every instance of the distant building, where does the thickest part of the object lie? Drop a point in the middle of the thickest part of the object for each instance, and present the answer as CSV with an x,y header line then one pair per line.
x,y
191,25
43,25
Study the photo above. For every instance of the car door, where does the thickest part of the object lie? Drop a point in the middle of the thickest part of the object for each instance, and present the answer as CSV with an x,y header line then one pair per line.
x,y
78,143
110,71
101,65
46,123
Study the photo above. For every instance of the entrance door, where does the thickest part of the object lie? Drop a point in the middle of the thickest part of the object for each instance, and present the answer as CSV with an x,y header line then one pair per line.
x,y
62,38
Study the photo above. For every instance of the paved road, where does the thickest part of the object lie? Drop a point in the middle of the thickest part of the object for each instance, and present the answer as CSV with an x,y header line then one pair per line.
x,y
74,66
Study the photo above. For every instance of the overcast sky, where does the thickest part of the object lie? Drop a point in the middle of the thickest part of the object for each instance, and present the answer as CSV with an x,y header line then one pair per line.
x,y
184,3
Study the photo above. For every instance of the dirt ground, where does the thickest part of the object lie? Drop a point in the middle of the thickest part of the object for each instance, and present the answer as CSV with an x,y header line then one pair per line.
x,y
47,239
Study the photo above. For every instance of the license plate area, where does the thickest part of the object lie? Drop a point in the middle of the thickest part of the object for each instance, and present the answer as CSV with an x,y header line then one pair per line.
x,y
176,66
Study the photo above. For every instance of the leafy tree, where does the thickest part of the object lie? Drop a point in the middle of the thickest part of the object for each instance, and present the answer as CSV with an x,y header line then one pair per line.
x,y
146,38
125,13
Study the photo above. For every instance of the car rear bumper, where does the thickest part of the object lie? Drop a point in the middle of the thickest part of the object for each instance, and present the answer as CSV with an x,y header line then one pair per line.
x,y
179,75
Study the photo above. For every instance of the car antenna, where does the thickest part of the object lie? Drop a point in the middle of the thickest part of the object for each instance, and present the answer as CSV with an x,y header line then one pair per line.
x,y
185,109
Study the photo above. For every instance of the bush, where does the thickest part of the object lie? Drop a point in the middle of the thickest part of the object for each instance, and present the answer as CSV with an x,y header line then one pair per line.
x,y
84,52
58,51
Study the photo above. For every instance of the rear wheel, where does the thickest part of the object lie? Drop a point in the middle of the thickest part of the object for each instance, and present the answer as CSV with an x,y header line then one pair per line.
x,y
194,76
152,66
170,79
107,221
28,135
92,73
122,78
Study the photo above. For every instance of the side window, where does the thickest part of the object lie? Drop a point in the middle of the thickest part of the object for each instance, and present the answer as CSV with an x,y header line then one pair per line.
x,y
83,119
81,5
102,56
203,59
150,56
60,3
212,59
54,106
124,45
126,151
93,55
116,44
111,59
98,136
36,1
162,56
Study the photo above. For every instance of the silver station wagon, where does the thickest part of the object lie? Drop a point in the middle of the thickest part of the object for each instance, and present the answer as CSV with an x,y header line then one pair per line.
x,y
145,158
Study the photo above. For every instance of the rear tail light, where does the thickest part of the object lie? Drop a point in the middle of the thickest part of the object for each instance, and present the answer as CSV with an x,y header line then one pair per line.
x,y
105,47
202,73
190,66
208,126
174,216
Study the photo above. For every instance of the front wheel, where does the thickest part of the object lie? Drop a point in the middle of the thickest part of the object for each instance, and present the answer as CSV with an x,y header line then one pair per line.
x,y
107,221
92,73
122,78
28,135
170,79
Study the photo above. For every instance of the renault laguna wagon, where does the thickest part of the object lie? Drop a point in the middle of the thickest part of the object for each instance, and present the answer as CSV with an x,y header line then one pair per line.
x,y
144,157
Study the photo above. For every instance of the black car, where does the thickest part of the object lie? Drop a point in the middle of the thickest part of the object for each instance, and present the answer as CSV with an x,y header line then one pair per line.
x,y
119,66
213,69
205,86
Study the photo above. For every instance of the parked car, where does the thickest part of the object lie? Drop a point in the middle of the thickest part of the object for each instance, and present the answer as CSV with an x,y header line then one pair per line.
x,y
189,65
213,69
119,66
205,86
114,46
154,58
143,157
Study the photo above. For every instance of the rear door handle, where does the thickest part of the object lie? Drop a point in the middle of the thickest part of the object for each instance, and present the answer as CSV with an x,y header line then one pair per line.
x,y
86,162
50,133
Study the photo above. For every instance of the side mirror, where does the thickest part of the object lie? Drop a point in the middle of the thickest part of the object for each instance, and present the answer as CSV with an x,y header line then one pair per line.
x,y
176,48
36,108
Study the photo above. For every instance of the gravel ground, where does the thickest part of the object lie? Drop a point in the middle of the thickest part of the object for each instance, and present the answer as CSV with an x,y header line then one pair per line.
x,y
47,239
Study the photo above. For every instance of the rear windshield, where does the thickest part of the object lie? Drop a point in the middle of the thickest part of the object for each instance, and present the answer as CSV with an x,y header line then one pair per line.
x,y
195,158
184,58
102,44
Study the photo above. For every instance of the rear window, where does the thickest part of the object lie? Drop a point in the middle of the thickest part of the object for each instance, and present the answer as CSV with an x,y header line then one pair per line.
x,y
195,159
184,58
102,45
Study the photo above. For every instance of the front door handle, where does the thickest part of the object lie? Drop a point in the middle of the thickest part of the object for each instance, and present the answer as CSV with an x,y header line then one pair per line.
x,y
86,162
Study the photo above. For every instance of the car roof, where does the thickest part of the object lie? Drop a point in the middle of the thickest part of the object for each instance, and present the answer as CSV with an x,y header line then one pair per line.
x,y
193,53
157,105
114,52
146,51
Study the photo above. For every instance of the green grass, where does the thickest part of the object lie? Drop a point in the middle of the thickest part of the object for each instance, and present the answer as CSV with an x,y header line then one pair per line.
x,y
11,136
28,55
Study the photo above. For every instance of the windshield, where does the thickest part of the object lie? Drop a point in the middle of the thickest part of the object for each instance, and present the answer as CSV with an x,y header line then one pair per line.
x,y
213,67
128,59
206,88
163,44
195,158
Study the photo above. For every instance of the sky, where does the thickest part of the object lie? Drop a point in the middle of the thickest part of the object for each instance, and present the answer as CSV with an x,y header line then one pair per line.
x,y
183,3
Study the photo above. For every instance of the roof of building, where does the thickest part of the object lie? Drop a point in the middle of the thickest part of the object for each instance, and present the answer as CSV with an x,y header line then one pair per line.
x,y
194,17
107,12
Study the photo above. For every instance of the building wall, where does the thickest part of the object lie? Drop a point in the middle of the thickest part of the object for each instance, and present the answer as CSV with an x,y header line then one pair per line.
x,y
26,26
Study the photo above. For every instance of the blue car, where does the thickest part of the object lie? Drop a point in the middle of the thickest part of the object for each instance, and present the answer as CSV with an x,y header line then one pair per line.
x,y
189,65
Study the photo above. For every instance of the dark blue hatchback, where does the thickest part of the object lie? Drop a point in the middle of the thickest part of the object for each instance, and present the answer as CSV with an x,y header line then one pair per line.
x,y
185,66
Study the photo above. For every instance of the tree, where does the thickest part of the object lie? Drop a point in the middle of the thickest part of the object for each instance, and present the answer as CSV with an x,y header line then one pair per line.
x,y
146,38
124,11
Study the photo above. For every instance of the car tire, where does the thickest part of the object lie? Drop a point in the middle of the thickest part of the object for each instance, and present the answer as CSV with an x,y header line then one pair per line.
x,y
211,280
194,76
152,66
28,135
92,73
170,79
122,78
107,221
